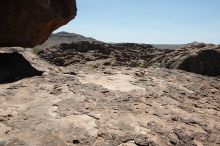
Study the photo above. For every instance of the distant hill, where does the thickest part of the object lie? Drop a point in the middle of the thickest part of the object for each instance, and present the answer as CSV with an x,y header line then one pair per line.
x,y
174,46
64,37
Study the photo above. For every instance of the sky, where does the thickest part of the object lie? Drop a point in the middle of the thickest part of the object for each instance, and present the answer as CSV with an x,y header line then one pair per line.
x,y
148,21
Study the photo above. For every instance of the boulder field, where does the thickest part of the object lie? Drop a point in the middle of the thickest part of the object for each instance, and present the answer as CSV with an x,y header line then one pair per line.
x,y
198,58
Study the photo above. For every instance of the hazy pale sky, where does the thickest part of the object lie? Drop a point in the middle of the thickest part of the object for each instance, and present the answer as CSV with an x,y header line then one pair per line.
x,y
148,21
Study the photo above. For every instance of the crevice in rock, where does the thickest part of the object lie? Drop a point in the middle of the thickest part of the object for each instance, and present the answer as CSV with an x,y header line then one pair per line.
x,y
76,141
14,67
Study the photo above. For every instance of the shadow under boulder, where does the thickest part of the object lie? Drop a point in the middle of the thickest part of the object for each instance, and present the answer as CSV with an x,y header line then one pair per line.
x,y
14,67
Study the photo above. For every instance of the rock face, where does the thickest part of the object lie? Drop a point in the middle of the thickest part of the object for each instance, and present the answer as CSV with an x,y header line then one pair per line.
x,y
29,23
198,58
109,106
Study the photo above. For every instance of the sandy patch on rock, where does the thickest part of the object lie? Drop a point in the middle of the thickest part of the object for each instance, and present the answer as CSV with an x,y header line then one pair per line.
x,y
119,81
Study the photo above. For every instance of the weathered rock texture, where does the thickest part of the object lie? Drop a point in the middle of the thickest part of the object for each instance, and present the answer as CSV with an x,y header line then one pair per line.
x,y
110,106
28,23
198,58
127,54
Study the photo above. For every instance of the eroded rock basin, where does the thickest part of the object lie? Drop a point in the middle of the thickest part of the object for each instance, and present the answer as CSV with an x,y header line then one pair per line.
x,y
113,106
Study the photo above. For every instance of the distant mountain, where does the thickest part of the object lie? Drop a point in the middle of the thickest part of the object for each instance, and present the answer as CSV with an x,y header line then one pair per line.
x,y
72,37
174,46
64,37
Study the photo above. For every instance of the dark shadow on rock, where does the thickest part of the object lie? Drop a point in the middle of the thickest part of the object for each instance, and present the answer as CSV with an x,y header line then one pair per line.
x,y
206,62
14,67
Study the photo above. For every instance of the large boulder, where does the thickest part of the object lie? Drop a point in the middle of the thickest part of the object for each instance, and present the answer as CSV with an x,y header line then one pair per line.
x,y
28,23
198,58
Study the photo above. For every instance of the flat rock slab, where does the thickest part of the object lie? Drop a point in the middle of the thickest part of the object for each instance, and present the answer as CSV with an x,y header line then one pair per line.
x,y
172,108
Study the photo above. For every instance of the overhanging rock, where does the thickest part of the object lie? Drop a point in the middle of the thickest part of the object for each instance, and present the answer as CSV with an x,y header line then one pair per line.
x,y
28,23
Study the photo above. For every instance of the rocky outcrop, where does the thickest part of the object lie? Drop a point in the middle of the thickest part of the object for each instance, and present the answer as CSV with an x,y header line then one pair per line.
x,y
126,54
197,58
29,23
111,106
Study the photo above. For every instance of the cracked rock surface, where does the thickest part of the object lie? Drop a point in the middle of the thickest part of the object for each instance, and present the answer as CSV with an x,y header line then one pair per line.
x,y
80,105
198,58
